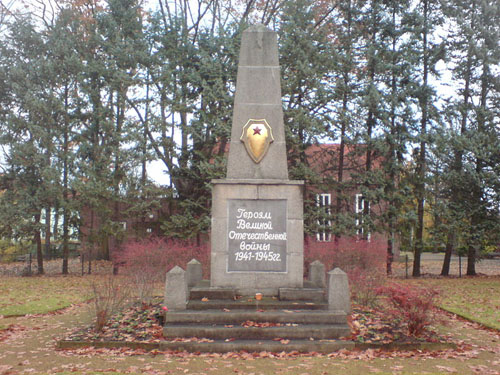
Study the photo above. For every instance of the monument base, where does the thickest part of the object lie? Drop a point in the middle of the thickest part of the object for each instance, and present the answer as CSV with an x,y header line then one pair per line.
x,y
257,235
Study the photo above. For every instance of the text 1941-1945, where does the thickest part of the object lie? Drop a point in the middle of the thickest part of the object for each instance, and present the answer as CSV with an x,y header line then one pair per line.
x,y
257,235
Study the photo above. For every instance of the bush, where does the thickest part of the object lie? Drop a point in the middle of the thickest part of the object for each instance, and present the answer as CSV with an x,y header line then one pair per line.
x,y
147,261
347,253
9,251
363,261
411,305
364,284
110,294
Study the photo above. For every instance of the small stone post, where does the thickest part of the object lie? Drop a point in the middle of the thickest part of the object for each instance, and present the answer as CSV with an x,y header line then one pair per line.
x,y
176,291
338,291
194,273
317,274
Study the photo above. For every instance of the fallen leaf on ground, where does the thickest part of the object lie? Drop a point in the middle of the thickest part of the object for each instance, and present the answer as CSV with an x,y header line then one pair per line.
x,y
446,368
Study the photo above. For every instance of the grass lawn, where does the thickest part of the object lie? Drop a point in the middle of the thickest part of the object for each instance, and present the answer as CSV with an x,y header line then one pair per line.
x,y
40,294
30,349
474,298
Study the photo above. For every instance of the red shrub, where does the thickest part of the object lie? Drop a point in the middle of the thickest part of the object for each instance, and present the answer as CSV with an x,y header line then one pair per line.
x,y
412,305
157,256
147,261
110,294
347,253
363,261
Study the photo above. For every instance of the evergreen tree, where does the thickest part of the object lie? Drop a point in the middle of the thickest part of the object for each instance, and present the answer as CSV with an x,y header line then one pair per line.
x,y
346,36
192,76
110,45
397,119
307,64
427,17
28,133
468,149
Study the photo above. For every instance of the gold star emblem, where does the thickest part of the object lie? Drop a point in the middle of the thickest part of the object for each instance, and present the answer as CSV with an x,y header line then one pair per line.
x,y
257,135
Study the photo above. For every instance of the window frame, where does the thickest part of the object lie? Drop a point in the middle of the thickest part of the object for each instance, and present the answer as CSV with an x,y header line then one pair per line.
x,y
359,210
324,200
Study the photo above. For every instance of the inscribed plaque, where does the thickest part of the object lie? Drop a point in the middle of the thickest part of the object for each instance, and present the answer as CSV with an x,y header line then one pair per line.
x,y
257,235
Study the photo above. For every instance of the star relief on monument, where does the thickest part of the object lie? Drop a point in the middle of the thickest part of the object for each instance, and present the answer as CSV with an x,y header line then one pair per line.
x,y
257,135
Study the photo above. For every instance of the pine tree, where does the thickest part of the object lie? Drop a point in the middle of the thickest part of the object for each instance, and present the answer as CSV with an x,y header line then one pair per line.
x,y
306,65
469,176
427,18
192,74
398,119
29,133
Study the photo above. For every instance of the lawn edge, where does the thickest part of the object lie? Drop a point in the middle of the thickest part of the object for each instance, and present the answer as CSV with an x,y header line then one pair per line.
x,y
59,310
469,319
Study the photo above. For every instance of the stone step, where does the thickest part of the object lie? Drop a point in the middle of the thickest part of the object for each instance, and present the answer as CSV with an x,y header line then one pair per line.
x,y
220,332
240,316
197,293
301,294
302,346
245,303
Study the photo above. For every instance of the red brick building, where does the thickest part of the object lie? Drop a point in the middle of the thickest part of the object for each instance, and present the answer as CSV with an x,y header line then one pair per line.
x,y
322,159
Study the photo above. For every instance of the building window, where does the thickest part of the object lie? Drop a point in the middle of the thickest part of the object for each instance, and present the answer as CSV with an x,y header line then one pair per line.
x,y
361,208
324,202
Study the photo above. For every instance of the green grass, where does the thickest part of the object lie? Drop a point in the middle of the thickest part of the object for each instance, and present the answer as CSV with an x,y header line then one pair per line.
x,y
477,296
40,295
476,299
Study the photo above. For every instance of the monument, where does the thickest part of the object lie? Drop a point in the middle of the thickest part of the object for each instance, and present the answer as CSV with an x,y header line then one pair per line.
x,y
257,212
257,240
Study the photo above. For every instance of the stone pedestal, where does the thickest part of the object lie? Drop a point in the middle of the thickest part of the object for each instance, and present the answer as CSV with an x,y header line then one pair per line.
x,y
317,274
176,290
339,298
257,235
194,273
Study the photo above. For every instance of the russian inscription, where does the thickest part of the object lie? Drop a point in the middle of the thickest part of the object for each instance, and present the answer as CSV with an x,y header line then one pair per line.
x,y
257,235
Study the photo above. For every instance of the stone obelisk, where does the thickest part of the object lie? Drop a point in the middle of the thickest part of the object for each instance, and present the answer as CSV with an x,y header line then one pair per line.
x,y
257,212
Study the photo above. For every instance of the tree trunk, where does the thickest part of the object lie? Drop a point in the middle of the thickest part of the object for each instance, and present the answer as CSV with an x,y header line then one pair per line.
x,y
471,258
343,130
458,162
419,242
37,239
475,242
48,252
421,162
65,252
450,243
370,121
55,224
390,253
391,183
